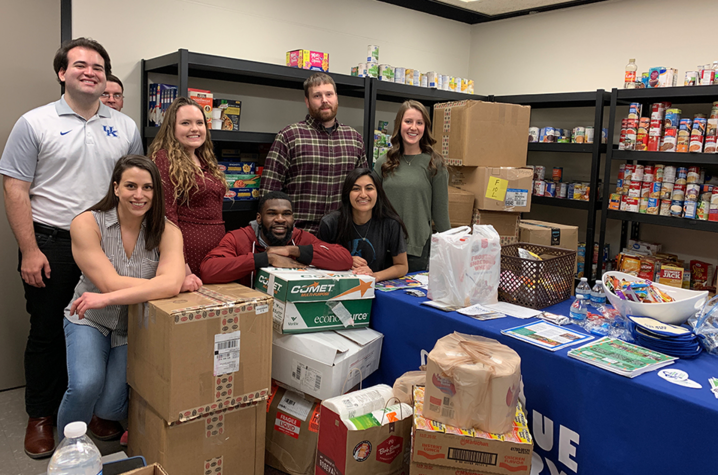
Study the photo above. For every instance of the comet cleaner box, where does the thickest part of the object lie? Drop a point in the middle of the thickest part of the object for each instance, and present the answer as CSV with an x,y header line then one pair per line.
x,y
316,300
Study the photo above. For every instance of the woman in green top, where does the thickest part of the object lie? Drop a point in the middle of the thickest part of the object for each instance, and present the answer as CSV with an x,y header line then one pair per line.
x,y
416,181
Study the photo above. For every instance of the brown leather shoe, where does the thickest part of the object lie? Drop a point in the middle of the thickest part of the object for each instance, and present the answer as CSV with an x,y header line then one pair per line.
x,y
105,430
39,439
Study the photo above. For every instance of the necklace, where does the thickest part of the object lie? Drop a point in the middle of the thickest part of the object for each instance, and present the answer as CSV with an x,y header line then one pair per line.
x,y
408,162
363,238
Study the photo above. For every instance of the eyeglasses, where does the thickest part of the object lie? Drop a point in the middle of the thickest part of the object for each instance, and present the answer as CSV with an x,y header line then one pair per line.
x,y
117,96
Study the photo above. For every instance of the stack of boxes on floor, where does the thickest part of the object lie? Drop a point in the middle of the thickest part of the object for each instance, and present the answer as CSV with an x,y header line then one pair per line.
x,y
485,143
322,348
199,368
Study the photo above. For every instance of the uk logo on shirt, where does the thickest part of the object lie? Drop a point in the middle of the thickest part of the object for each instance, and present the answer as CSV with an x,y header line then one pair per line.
x,y
110,131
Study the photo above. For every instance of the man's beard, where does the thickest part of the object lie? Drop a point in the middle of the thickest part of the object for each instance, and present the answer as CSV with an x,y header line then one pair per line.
x,y
273,240
317,114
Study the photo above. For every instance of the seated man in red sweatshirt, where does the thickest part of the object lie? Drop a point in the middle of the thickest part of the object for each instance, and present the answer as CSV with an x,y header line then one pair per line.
x,y
271,240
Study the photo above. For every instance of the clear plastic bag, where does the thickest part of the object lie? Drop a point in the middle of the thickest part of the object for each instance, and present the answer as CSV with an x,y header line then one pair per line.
x,y
705,325
475,381
464,267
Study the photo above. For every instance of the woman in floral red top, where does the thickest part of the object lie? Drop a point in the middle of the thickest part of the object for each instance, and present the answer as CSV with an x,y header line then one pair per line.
x,y
194,186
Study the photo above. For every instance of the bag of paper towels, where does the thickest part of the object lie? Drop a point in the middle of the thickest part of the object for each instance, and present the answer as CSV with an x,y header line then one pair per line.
x,y
472,382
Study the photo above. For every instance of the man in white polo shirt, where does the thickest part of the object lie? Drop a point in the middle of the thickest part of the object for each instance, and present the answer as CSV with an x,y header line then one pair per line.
x,y
57,162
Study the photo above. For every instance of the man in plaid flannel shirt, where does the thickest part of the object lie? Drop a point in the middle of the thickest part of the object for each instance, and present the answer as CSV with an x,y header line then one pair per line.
x,y
310,159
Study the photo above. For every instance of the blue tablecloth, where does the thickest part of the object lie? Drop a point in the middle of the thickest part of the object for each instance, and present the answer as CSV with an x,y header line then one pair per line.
x,y
584,420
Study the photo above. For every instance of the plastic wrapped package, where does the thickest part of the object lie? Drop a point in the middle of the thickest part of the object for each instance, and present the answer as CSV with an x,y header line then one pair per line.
x,y
472,382
464,267
404,383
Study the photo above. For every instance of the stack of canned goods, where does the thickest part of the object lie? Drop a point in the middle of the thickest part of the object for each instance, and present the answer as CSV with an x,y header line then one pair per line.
x,y
558,135
665,190
556,187
666,131
409,76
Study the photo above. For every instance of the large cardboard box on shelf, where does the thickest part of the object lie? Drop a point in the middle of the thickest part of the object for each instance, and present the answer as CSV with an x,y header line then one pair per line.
x,y
461,207
292,429
497,188
505,223
313,300
153,469
548,234
482,134
201,351
326,364
457,451
226,442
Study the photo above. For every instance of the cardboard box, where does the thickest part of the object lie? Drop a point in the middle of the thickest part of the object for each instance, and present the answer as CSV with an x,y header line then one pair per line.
x,y
238,168
378,450
427,469
472,450
313,300
242,187
291,433
154,469
203,97
226,442
305,59
231,112
549,234
201,351
325,365
461,207
506,224
482,134
499,188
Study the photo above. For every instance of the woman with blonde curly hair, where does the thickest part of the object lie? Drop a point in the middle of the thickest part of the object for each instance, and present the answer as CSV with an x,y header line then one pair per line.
x,y
416,181
194,186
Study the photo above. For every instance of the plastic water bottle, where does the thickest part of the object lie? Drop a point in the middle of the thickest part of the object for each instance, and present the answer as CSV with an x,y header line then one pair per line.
x,y
583,288
578,311
76,454
598,297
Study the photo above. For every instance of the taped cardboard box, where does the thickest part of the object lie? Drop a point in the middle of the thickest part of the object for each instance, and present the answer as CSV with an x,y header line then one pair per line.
x,y
154,469
201,351
226,442
313,300
498,188
428,469
291,433
548,234
471,450
505,223
325,364
461,207
482,134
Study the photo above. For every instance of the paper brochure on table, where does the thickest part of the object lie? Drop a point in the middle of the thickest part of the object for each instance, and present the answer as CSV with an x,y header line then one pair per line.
x,y
620,357
547,335
514,310
406,282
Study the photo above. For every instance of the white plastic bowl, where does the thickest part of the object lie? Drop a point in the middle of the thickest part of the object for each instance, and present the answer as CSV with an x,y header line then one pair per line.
x,y
687,302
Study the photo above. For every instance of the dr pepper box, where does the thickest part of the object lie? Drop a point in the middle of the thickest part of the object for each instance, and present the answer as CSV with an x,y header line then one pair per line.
x,y
315,300
201,351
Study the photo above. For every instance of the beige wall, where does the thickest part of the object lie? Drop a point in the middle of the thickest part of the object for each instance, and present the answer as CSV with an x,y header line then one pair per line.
x,y
29,83
265,31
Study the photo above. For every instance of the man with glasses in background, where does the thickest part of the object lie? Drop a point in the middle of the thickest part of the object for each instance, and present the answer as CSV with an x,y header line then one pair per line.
x,y
114,93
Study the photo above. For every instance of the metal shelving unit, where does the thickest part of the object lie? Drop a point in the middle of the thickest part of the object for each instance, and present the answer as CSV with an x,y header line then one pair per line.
x,y
676,95
598,100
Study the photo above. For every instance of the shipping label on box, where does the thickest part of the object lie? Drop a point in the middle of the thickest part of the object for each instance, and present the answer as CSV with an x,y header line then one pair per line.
x,y
324,364
291,434
499,188
201,351
304,317
226,442
440,445
298,285
482,134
